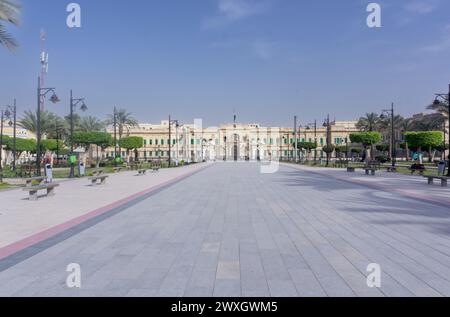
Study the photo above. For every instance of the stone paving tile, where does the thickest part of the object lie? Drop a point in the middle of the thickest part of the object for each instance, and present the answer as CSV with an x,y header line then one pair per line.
x,y
231,231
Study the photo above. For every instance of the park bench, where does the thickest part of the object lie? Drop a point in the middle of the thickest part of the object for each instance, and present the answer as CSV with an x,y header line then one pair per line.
x,y
142,172
155,168
443,180
370,170
97,172
33,190
29,181
391,169
117,169
350,169
94,179
417,168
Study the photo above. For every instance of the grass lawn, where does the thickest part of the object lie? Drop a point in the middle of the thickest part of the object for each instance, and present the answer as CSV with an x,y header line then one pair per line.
x,y
4,186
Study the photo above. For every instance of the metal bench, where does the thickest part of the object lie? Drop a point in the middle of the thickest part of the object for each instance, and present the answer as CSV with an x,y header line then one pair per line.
x,y
142,172
29,181
33,190
443,180
94,179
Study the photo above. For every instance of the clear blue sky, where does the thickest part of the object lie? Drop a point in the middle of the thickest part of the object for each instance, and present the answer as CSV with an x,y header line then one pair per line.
x,y
268,59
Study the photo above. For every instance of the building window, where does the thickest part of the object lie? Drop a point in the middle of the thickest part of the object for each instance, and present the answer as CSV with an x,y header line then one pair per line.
x,y
145,142
156,142
150,154
321,141
150,142
162,142
192,141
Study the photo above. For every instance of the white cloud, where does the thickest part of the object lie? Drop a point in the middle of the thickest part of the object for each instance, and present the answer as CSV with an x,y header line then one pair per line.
x,y
263,50
421,6
233,10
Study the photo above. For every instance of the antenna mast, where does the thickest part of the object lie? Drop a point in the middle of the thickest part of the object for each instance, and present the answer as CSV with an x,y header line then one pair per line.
x,y
44,64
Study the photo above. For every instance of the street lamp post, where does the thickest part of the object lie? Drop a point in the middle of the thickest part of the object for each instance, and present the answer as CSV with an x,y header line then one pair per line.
x,y
393,142
296,139
170,138
445,97
73,104
41,94
328,126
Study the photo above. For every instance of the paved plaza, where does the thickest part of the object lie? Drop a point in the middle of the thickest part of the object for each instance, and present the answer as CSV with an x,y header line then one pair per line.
x,y
228,230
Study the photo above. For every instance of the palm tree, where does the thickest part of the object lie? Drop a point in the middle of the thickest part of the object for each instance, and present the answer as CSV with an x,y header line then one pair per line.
x,y
9,11
124,120
440,107
91,124
48,119
368,123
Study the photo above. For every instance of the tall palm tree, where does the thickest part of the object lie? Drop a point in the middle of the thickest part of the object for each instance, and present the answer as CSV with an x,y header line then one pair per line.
x,y
124,120
9,12
368,123
48,119
91,124
440,107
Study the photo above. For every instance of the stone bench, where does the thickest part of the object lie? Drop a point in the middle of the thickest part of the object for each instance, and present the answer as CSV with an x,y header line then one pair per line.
x,y
29,181
142,172
370,170
117,169
33,190
102,178
443,180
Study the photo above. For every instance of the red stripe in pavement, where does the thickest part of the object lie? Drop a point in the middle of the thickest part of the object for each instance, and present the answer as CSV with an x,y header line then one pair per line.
x,y
51,232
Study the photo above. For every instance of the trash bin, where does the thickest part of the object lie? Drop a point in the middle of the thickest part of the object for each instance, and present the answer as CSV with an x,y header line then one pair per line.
x,y
441,167
81,169
49,172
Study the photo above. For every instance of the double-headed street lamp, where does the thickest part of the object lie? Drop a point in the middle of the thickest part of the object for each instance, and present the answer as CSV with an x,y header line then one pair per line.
x,y
74,102
439,99
390,112
41,94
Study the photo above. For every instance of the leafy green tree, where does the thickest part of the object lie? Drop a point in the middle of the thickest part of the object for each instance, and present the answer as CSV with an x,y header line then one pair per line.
x,y
102,140
52,145
428,141
328,149
132,143
22,145
367,139
9,12
308,146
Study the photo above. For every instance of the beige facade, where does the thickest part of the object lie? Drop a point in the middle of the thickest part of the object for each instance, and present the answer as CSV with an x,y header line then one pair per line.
x,y
194,143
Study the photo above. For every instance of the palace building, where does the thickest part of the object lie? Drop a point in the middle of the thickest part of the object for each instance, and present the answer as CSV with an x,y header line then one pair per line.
x,y
235,141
